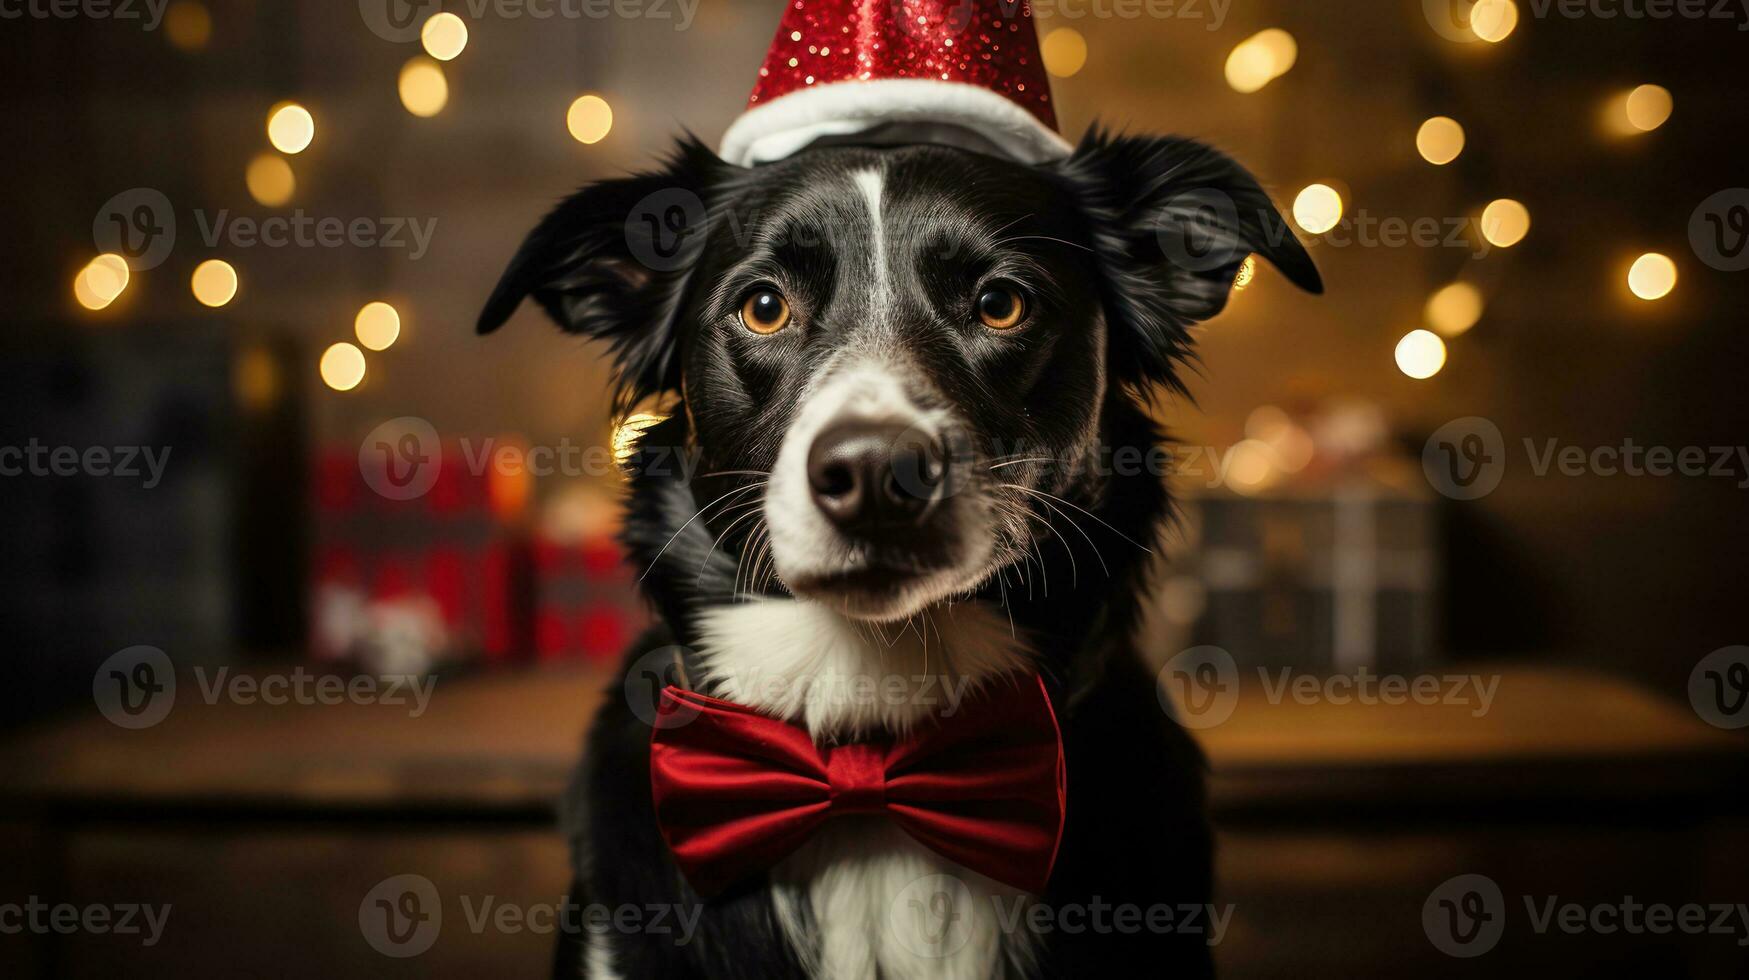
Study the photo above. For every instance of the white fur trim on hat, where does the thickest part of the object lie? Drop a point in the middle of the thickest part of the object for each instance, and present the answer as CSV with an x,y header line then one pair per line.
x,y
788,123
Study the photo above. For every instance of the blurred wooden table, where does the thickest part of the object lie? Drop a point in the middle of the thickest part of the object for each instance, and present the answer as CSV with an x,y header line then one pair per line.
x,y
266,825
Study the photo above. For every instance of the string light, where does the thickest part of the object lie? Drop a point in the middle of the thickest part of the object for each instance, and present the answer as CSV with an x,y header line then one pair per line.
x,y
424,90
444,36
1505,222
214,282
270,179
1454,309
1420,354
590,119
1317,208
1440,140
1260,59
1493,20
188,25
1652,276
342,367
290,128
378,326
1064,51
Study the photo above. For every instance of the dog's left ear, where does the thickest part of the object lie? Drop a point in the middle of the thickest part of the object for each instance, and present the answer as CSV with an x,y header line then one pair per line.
x,y
611,262
1172,222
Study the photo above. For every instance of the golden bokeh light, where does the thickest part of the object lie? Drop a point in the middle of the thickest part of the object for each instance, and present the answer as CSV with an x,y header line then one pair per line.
x,y
188,25
444,36
214,282
1260,59
1064,51
424,90
378,326
270,179
1454,309
1250,466
1420,354
1505,222
1247,272
589,119
1440,140
1493,20
255,378
1317,208
342,367
1652,276
290,128
101,281
1648,107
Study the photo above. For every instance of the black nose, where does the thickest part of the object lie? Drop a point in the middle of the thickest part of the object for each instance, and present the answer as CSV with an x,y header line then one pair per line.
x,y
867,475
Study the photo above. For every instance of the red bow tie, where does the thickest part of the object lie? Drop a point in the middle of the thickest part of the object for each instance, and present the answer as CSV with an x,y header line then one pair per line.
x,y
736,791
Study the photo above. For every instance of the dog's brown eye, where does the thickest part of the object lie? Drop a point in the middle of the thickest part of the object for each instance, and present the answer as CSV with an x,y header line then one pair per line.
x,y
765,311
1000,308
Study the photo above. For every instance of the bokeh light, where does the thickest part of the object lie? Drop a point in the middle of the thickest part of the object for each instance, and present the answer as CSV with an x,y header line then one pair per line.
x,y
1493,20
1652,276
1440,140
1247,272
342,367
214,282
378,326
1648,107
1454,309
188,25
1250,466
444,36
1064,51
589,119
424,90
1505,222
1317,208
101,281
1420,354
270,179
1260,59
290,128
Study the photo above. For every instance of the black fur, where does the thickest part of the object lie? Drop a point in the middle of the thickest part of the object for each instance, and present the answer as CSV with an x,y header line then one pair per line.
x,y
1091,239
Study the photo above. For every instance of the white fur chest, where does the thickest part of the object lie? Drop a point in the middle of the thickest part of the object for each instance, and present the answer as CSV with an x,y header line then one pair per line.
x,y
882,905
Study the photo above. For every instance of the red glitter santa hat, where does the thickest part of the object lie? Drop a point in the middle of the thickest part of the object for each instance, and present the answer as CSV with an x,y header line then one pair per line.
x,y
965,72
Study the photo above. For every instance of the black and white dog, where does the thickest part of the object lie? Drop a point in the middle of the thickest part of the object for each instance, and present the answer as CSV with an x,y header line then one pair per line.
x,y
903,373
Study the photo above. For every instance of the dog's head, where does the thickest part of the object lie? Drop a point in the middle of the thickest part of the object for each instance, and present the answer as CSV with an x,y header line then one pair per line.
x,y
901,359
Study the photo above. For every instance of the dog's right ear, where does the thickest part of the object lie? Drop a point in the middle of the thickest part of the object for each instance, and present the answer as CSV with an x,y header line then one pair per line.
x,y
610,262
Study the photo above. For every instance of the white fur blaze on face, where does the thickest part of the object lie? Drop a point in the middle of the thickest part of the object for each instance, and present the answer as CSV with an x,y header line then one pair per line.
x,y
805,546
